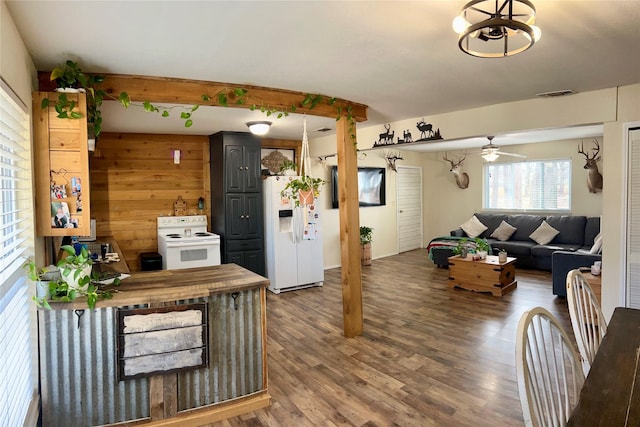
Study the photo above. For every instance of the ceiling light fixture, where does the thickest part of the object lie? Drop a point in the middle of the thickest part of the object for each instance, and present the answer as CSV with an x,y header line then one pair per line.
x,y
496,28
490,155
259,128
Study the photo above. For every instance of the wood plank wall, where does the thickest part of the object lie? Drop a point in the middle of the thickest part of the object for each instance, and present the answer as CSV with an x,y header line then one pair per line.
x,y
134,181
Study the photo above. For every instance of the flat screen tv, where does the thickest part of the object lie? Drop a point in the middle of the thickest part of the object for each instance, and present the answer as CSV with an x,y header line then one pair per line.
x,y
371,186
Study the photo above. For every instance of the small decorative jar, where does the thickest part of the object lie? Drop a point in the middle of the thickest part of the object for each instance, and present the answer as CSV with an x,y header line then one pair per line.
x,y
502,256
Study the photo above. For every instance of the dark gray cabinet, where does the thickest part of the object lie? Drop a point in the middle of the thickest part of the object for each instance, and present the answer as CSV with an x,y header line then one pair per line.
x,y
242,169
236,198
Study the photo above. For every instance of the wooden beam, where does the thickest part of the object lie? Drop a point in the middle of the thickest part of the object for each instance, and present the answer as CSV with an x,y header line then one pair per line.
x,y
349,231
183,91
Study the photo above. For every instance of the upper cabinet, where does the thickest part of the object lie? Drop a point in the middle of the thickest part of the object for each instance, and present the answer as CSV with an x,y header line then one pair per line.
x,y
61,159
242,169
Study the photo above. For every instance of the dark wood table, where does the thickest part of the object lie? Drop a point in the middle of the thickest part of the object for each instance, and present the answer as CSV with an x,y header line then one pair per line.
x,y
611,394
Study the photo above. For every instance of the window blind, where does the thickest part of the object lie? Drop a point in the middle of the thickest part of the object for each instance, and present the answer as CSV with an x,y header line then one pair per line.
x,y
543,185
633,220
18,334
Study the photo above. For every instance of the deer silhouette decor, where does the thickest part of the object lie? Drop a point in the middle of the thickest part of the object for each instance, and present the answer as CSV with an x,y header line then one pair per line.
x,y
462,179
594,177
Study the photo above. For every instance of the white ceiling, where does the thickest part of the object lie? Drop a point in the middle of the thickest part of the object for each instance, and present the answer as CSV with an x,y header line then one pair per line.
x,y
398,57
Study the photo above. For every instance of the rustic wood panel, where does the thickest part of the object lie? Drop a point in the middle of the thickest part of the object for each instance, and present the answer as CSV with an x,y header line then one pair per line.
x,y
429,356
65,163
64,139
134,181
60,165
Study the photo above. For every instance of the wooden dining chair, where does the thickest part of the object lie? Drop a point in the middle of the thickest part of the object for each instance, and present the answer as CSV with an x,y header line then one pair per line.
x,y
587,320
549,371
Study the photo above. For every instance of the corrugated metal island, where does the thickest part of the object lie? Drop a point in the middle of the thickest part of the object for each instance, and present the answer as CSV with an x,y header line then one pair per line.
x,y
171,348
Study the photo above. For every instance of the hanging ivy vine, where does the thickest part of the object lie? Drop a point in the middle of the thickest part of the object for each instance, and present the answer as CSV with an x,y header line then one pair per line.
x,y
69,75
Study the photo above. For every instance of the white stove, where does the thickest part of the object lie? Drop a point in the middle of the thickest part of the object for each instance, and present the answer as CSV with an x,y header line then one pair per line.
x,y
184,242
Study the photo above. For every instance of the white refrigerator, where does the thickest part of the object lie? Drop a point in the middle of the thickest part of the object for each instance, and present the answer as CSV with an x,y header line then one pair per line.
x,y
293,240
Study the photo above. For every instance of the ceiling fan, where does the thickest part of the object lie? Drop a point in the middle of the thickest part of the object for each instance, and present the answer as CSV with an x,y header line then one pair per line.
x,y
491,152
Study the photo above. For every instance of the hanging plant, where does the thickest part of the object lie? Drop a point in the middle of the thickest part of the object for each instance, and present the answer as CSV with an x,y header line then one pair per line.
x,y
302,190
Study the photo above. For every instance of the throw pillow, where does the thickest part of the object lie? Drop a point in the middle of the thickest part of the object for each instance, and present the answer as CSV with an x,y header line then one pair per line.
x,y
597,244
504,231
544,234
473,227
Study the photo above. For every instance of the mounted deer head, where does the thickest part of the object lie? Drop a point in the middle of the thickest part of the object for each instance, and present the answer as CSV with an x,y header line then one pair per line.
x,y
594,177
462,179
391,158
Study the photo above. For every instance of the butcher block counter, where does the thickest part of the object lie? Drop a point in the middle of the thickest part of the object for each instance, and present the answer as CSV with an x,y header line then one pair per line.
x,y
171,348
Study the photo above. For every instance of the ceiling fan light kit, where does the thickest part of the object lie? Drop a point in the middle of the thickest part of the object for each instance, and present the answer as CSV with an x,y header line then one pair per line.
x,y
496,28
259,128
491,152
490,155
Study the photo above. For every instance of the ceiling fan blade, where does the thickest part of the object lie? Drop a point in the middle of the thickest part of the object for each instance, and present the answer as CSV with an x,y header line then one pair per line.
x,y
522,156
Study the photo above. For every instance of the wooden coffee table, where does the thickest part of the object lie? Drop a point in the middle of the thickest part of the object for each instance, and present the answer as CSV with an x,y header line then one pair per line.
x,y
488,275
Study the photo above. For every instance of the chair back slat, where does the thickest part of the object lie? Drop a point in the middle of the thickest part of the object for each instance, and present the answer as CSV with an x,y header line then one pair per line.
x,y
550,373
587,320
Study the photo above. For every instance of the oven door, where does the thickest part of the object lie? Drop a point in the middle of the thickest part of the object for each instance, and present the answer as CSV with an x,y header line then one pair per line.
x,y
191,255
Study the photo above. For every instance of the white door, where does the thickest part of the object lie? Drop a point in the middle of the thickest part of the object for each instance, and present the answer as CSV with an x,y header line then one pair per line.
x,y
409,196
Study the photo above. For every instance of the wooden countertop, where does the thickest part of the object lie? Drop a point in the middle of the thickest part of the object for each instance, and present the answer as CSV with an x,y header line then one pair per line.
x,y
170,285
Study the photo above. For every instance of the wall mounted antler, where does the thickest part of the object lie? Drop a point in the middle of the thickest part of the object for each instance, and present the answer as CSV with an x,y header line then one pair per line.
x,y
462,179
594,177
391,157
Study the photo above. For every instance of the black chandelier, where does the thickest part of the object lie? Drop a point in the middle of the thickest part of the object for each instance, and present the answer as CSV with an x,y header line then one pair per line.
x,y
496,28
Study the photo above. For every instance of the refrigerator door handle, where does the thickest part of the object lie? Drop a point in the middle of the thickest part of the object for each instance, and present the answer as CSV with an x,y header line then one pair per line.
x,y
297,225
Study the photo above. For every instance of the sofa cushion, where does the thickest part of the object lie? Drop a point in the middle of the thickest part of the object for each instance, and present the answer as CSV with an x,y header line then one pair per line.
x,y
503,232
544,234
492,221
591,230
473,227
547,250
515,248
571,229
525,224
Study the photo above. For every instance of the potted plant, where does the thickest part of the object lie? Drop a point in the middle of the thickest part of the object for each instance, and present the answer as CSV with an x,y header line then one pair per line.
x,y
302,190
482,247
365,244
70,279
288,168
70,78
461,249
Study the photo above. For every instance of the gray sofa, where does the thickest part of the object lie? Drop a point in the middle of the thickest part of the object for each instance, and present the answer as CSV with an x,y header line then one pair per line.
x,y
576,237
562,262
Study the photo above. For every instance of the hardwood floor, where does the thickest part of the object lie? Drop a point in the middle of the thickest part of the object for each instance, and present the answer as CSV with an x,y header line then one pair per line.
x,y
429,356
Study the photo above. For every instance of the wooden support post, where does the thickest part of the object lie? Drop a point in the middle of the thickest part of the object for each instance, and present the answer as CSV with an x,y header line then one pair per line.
x,y
349,230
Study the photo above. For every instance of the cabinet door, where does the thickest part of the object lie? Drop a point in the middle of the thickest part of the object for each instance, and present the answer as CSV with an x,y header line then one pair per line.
x,y
234,168
235,216
251,260
235,258
253,216
254,261
253,179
